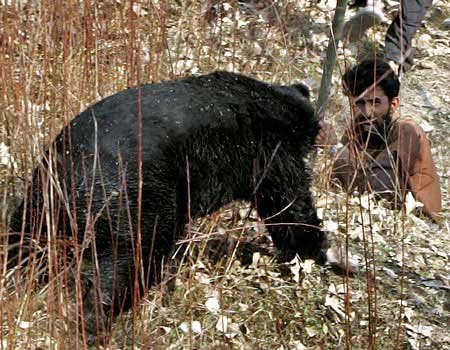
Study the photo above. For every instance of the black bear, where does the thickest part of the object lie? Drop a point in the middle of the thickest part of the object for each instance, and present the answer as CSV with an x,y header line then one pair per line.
x,y
205,141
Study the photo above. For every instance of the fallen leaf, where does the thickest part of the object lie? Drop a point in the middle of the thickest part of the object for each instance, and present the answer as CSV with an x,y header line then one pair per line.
x,y
222,324
24,324
311,332
411,203
297,345
335,304
213,305
307,266
330,226
420,329
196,327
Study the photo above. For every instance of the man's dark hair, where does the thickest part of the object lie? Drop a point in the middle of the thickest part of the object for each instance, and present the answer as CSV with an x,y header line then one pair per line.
x,y
361,77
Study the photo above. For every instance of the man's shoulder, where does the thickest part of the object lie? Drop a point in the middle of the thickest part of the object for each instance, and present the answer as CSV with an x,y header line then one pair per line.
x,y
409,126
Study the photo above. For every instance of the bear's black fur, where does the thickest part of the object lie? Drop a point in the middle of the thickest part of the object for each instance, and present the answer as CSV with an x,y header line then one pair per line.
x,y
206,141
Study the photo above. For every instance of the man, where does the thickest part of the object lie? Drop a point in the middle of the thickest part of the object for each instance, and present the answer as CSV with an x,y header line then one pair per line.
x,y
398,41
380,152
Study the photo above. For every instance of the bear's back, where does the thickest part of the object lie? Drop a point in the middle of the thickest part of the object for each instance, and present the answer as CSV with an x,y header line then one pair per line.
x,y
173,111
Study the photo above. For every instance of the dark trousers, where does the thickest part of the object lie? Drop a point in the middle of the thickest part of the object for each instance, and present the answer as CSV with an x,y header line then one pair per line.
x,y
401,31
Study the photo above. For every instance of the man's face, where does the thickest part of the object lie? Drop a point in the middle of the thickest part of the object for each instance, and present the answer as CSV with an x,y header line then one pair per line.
x,y
373,108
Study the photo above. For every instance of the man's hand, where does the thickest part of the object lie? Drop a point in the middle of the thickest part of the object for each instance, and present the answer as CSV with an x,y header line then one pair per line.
x,y
327,135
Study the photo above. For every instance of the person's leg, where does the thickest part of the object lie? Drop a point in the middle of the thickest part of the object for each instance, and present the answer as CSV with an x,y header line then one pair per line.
x,y
399,35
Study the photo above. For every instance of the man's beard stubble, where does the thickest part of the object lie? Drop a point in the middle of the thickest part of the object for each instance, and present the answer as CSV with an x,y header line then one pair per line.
x,y
375,134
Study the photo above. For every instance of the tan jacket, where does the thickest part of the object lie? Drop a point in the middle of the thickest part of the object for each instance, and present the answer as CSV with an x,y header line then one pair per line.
x,y
391,165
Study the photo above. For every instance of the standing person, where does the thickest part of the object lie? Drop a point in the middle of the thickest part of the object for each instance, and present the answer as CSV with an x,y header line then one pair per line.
x,y
398,40
381,152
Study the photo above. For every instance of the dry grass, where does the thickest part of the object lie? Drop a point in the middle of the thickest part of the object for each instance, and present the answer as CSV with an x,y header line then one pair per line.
x,y
59,57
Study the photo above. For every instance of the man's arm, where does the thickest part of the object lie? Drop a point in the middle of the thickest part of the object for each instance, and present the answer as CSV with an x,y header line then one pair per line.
x,y
418,168
406,165
345,169
345,164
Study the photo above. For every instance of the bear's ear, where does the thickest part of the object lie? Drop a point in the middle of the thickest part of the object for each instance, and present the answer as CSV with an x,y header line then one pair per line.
x,y
298,90
302,89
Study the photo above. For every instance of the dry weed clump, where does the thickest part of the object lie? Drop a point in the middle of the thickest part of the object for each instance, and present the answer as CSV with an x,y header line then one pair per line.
x,y
58,57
